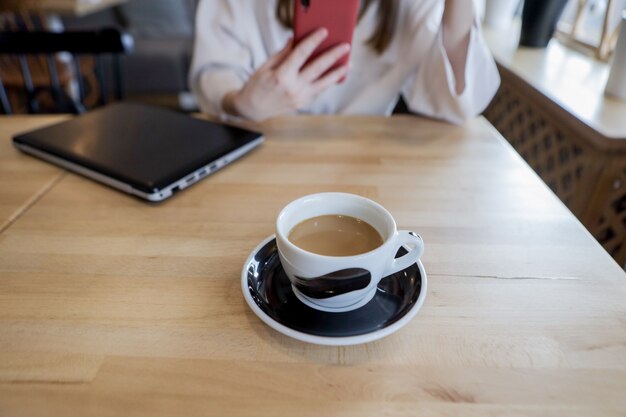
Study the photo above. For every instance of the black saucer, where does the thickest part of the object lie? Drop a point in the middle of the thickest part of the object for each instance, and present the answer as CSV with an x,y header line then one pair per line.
x,y
269,289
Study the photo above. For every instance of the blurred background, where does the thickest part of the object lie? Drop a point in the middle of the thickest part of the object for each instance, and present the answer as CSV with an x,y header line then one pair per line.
x,y
153,70
162,33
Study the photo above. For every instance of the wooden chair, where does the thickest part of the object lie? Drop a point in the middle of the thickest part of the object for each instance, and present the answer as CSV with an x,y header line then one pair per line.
x,y
18,46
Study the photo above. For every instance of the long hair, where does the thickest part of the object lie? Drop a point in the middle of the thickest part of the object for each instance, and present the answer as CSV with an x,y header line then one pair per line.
x,y
383,34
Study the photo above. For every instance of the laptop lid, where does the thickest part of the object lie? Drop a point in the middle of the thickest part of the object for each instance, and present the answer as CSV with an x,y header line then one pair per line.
x,y
144,150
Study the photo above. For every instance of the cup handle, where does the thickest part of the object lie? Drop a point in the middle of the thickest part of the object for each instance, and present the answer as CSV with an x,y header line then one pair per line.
x,y
405,237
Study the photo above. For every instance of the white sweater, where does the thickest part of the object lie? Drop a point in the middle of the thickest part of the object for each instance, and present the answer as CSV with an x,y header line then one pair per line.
x,y
235,37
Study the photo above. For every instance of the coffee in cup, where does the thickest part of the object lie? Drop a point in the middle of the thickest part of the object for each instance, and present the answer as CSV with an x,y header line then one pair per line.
x,y
336,247
335,235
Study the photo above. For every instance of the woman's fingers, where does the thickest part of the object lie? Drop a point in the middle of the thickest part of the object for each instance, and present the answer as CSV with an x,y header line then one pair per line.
x,y
329,79
278,57
324,62
301,53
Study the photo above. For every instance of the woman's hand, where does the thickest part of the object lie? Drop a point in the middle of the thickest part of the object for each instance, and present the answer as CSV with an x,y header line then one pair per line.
x,y
458,18
282,85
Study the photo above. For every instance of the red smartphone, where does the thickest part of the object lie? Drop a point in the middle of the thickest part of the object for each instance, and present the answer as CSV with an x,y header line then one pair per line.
x,y
339,17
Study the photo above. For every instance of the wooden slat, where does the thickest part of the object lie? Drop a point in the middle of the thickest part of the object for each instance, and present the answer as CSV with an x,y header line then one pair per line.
x,y
69,7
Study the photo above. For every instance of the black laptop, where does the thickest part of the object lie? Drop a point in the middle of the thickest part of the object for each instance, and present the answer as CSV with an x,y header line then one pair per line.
x,y
142,150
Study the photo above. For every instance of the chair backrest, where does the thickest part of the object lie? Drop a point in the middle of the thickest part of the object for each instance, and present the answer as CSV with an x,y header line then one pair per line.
x,y
77,44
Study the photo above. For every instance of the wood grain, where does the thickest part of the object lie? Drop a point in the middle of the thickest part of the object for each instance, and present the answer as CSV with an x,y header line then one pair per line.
x,y
22,179
111,306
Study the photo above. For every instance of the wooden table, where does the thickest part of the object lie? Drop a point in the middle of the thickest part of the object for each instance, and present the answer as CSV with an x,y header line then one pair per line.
x,y
110,306
22,179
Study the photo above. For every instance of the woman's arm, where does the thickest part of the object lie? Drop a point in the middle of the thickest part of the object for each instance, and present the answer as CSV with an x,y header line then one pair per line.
x,y
458,17
223,57
455,76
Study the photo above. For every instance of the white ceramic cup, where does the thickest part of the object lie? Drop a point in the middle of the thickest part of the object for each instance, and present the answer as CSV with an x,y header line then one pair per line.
x,y
342,283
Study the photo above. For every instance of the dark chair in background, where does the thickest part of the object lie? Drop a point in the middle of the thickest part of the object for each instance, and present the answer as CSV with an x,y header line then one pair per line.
x,y
163,30
16,47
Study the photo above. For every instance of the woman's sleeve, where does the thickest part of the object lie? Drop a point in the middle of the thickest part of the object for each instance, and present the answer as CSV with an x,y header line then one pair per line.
x,y
431,90
222,60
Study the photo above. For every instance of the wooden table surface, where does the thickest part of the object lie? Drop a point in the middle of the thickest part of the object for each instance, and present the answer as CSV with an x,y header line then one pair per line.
x,y
113,307
22,179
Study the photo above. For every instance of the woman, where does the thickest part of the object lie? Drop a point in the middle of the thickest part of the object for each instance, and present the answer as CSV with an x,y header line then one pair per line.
x,y
429,51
